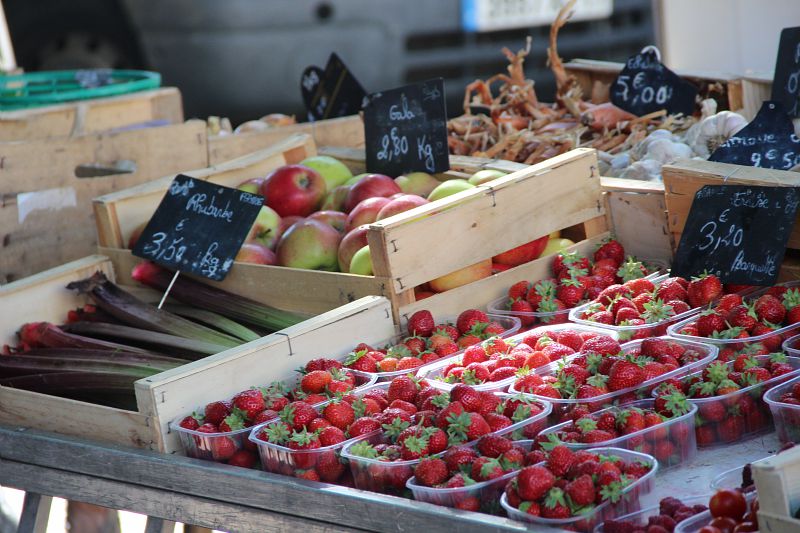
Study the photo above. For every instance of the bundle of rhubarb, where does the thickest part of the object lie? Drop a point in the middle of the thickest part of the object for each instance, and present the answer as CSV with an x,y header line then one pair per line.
x,y
102,348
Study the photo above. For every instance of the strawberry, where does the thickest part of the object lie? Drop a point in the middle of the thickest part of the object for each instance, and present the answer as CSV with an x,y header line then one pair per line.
x,y
457,456
671,289
709,322
741,317
484,469
315,381
331,435
533,482
445,349
612,250
467,319
555,505
466,427
625,374
625,314
303,440
630,420
415,345
768,308
403,388
362,361
223,449
243,458
519,290
363,426
704,289
413,447
431,472
339,414
523,310
560,460
493,446
469,397
421,324
581,491
570,292
449,413
192,421
298,414
328,466
601,344
730,429
215,412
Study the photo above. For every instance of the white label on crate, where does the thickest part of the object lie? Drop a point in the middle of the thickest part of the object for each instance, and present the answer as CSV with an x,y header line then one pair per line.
x,y
492,15
28,202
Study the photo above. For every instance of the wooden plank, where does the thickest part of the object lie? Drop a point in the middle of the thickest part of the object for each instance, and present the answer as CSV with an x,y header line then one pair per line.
x,y
343,131
35,513
174,393
92,116
777,523
756,87
481,292
250,488
683,179
510,211
45,209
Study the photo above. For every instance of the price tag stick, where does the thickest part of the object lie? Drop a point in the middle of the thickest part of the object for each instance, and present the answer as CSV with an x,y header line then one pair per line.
x,y
169,288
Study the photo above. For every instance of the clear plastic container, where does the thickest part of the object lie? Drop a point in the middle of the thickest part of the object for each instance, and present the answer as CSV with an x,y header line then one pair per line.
x,y
562,408
675,436
484,495
792,346
217,447
757,417
729,479
696,522
433,372
606,510
511,324
785,415
640,518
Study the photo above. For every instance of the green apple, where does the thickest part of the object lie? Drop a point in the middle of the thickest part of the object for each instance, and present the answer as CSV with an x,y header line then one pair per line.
x,y
334,201
266,228
482,176
355,179
361,263
333,171
446,188
556,245
419,183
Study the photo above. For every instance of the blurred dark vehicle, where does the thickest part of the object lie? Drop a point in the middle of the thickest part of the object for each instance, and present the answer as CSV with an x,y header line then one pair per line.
x,y
243,58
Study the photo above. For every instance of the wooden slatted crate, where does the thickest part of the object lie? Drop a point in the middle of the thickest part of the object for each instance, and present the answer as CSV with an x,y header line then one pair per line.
x,y
163,397
778,483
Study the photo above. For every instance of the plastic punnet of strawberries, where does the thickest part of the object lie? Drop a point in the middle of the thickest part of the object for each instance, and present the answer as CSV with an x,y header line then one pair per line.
x,y
636,303
728,395
575,280
572,484
426,342
754,317
641,426
604,371
671,511
786,409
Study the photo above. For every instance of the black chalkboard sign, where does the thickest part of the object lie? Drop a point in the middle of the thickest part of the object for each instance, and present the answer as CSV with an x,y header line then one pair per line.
x,y
331,93
198,227
737,232
786,83
406,129
768,141
645,85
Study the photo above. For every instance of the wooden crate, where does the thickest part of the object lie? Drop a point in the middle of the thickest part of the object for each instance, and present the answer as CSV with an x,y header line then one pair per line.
x,y
344,131
595,78
683,179
92,116
163,397
778,483
756,87
45,205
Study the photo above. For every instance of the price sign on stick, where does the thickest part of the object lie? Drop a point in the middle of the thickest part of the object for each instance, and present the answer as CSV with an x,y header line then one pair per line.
x,y
198,227
331,93
786,83
768,141
406,129
645,85
737,232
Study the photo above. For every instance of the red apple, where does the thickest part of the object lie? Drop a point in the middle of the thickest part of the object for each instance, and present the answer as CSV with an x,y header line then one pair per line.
x,y
366,212
293,190
351,243
462,276
309,244
370,186
252,252
499,267
335,219
402,203
286,223
523,253
253,186
266,228
334,200
421,295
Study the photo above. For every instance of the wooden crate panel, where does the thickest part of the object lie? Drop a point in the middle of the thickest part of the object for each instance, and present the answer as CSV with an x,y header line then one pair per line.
x,y
92,116
777,480
683,179
344,132
435,239
45,208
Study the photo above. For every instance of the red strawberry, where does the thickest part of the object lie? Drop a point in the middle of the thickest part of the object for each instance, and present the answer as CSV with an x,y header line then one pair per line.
x,y
730,429
581,490
555,505
467,319
484,469
430,472
493,445
709,322
315,381
671,289
625,374
467,427
523,310
243,458
361,360
191,422
298,414
421,324
704,289
533,482
741,317
215,412
363,426
570,291
611,250
457,456
403,388
560,460
768,308
519,290
331,435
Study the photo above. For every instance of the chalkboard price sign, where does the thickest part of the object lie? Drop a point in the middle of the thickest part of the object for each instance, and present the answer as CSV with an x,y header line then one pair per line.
x,y
331,93
737,232
768,141
786,83
198,227
645,85
406,129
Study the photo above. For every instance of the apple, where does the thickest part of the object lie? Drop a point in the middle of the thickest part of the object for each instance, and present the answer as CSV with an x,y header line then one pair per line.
x,y
499,267
369,187
353,241
266,229
487,174
366,212
288,222
334,201
556,245
253,252
401,204
361,263
309,244
419,183
293,190
135,234
253,186
522,253
446,188
335,219
421,295
333,171
480,270
355,179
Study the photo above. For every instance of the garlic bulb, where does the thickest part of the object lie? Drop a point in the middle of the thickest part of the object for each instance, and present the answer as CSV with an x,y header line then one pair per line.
x,y
646,170
666,151
706,136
